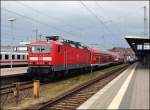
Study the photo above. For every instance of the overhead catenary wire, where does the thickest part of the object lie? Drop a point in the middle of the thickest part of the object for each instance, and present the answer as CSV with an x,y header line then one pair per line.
x,y
108,16
121,17
46,15
37,21
50,17
98,19
115,24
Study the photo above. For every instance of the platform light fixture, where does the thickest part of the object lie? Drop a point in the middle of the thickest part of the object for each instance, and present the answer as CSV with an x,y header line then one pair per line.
x,y
11,21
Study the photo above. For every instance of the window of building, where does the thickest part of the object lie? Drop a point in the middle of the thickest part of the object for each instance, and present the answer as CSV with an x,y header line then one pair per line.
x,y
146,46
139,47
6,57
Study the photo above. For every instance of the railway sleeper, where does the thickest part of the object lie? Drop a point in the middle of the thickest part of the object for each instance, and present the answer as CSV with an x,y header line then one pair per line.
x,y
72,102
86,93
66,107
77,101
53,108
68,104
81,95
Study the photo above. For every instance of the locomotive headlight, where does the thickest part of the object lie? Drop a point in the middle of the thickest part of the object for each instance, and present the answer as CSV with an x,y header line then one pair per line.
x,y
33,58
47,58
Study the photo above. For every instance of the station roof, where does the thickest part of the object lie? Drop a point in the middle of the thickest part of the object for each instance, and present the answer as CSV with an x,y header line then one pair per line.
x,y
139,44
137,39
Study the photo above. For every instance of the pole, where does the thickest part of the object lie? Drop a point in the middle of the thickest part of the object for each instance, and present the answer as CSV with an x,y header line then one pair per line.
x,y
36,33
12,41
145,20
40,36
16,92
36,88
91,60
11,21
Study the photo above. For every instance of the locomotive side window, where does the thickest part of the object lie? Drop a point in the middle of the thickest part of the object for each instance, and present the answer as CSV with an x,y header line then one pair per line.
x,y
18,57
59,49
13,56
6,57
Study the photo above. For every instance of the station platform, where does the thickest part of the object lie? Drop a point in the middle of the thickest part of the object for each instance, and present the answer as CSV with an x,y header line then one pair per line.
x,y
129,90
12,72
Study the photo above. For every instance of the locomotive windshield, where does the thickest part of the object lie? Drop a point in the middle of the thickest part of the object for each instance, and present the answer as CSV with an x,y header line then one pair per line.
x,y
40,48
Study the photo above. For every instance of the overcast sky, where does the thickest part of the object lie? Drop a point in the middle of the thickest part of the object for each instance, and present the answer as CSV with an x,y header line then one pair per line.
x,y
103,24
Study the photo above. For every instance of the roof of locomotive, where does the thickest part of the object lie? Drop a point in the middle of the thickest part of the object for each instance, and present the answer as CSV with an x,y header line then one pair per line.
x,y
45,42
57,42
94,50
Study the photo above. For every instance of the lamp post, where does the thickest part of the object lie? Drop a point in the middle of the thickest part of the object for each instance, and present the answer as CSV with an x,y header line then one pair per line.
x,y
11,21
36,34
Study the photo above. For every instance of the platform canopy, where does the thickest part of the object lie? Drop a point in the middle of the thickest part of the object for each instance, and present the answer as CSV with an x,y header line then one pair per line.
x,y
140,45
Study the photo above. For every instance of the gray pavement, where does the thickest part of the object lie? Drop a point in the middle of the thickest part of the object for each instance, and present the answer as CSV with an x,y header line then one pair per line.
x,y
136,96
13,71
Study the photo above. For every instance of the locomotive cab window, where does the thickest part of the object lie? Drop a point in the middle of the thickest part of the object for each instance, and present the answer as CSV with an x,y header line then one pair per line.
x,y
40,48
59,49
6,57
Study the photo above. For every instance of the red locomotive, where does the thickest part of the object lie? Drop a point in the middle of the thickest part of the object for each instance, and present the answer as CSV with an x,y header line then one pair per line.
x,y
57,54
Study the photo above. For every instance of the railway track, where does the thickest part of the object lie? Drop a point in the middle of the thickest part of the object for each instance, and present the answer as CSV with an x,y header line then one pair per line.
x,y
75,97
9,80
25,90
9,88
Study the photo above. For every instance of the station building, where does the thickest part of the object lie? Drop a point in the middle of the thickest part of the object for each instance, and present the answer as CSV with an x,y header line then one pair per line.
x,y
141,47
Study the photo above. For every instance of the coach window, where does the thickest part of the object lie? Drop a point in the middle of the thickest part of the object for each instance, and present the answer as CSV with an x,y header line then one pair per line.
x,y
59,49
13,56
0,56
23,56
6,57
18,56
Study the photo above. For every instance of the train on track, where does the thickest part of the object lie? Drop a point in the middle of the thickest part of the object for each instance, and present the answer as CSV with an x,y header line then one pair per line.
x,y
17,59
57,54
